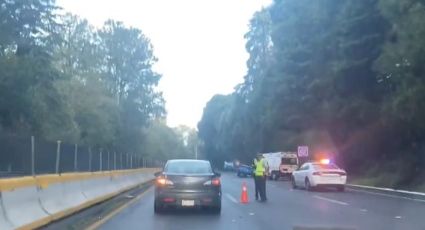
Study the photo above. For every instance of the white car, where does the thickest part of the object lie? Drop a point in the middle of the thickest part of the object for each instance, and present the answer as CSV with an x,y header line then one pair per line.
x,y
319,174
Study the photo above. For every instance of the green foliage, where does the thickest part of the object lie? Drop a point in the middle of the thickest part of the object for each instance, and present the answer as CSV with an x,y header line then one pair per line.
x,y
62,79
163,142
342,76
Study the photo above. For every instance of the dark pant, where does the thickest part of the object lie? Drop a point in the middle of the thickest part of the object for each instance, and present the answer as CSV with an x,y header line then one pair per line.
x,y
257,191
260,187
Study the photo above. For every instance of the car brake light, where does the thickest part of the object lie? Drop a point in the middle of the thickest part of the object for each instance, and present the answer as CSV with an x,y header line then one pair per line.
x,y
317,174
343,173
164,181
213,182
169,199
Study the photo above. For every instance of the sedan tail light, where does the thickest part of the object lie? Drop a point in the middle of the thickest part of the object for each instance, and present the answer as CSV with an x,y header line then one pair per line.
x,y
163,181
343,173
213,182
317,173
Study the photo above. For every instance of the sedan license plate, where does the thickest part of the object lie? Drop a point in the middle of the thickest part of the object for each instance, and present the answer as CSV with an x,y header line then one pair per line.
x,y
188,203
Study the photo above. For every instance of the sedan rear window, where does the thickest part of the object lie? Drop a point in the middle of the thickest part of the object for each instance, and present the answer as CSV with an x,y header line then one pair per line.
x,y
188,167
324,166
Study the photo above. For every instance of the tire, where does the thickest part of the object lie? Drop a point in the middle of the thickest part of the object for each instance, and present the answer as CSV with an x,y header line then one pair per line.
x,y
308,186
158,208
216,209
274,176
341,188
294,185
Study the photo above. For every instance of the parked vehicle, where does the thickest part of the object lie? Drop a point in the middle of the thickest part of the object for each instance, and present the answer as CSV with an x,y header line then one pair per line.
x,y
244,171
319,174
281,164
228,166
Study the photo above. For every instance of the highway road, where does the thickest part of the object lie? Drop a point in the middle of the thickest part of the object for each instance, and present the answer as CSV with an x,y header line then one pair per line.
x,y
285,209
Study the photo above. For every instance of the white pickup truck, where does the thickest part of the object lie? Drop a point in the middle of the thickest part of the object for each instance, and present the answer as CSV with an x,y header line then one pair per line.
x,y
281,164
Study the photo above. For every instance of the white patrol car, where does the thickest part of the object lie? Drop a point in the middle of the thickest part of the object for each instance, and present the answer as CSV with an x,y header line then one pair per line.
x,y
319,174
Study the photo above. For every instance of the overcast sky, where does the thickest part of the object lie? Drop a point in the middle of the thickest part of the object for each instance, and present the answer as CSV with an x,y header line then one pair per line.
x,y
199,44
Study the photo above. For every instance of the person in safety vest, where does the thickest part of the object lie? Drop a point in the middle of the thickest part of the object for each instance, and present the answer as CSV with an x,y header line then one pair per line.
x,y
260,177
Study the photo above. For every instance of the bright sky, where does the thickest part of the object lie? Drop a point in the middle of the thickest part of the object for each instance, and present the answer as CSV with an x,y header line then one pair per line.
x,y
199,44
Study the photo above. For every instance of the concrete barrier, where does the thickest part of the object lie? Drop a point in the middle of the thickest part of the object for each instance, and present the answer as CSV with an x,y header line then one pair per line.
x,y
95,187
23,207
31,202
4,222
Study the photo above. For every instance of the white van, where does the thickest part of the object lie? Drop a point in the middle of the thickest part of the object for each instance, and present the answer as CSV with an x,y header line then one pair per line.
x,y
281,164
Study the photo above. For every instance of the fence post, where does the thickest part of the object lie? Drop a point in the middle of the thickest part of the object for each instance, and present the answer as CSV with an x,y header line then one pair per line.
x,y
121,161
126,160
58,156
131,161
89,159
109,164
32,156
100,160
115,161
76,158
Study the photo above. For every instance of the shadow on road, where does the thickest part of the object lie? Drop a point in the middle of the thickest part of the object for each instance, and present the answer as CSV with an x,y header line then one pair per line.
x,y
188,212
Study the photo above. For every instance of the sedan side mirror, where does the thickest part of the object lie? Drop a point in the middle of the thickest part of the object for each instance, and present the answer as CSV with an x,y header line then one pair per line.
x,y
157,174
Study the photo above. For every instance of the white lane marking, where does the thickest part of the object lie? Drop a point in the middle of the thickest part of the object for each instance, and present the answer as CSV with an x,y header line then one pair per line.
x,y
251,214
363,210
397,217
231,198
330,200
388,195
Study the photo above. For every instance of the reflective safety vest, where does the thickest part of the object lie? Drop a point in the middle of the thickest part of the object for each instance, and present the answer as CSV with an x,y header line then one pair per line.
x,y
259,167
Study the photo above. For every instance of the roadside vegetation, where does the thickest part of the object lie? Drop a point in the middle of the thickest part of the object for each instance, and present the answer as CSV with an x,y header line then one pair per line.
x,y
63,79
344,77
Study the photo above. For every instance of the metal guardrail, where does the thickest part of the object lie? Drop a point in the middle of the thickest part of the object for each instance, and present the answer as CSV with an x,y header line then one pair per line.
x,y
411,195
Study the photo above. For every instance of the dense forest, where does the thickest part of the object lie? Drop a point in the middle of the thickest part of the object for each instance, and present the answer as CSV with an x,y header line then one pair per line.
x,y
341,76
63,79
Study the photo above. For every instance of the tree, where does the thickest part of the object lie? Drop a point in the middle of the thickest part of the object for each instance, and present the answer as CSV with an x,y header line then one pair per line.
x,y
61,79
26,24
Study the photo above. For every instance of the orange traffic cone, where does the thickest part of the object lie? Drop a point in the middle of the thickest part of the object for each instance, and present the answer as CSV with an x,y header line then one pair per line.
x,y
244,195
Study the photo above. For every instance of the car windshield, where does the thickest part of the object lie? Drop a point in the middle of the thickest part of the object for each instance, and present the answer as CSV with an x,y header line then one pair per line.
x,y
188,167
289,161
324,166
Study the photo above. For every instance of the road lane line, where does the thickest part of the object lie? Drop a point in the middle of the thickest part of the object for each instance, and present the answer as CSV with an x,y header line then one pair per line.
x,y
103,220
388,195
231,198
330,200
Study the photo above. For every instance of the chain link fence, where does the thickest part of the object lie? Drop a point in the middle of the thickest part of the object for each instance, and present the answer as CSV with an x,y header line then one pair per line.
x,y
22,156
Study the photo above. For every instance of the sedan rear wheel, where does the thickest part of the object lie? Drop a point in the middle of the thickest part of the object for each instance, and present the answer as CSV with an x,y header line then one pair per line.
x,y
158,208
294,185
341,188
216,209
308,186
